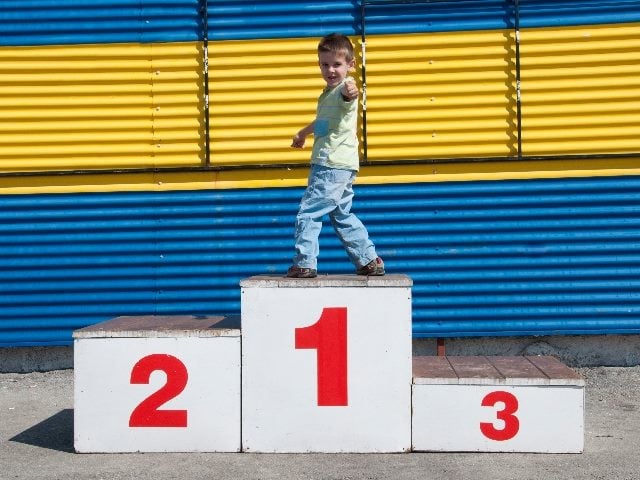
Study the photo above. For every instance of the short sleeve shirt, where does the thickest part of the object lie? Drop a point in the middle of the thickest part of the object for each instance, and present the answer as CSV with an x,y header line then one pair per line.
x,y
335,143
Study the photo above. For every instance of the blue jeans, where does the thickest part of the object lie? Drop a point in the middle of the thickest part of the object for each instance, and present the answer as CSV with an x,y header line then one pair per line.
x,y
329,192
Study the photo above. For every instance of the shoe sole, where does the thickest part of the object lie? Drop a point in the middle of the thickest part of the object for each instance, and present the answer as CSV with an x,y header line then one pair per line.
x,y
311,274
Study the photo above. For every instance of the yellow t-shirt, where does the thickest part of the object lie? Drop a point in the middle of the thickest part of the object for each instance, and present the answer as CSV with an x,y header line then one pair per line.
x,y
335,139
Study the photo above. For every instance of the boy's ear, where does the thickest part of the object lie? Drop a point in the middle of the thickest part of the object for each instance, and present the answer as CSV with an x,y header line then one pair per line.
x,y
352,64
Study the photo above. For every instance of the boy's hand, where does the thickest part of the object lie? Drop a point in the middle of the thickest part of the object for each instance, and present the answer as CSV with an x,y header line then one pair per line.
x,y
298,140
300,137
350,89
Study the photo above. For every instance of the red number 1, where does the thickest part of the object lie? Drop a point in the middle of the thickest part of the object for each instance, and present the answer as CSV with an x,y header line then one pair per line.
x,y
328,336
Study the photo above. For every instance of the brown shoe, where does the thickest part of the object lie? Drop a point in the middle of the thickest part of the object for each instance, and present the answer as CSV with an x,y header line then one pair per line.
x,y
374,268
301,272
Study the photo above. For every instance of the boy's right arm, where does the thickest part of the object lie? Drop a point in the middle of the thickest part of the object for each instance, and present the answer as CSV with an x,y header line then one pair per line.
x,y
300,137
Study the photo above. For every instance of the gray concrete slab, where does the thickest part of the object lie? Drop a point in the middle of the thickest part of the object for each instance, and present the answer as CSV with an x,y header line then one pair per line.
x,y
36,442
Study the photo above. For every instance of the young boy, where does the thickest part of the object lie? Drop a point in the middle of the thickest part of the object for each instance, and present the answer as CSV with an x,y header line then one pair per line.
x,y
334,165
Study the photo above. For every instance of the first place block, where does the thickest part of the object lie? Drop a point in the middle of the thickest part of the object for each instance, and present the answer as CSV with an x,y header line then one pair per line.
x,y
326,364
158,384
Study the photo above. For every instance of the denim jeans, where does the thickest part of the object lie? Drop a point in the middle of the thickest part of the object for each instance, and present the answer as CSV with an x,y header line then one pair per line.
x,y
329,192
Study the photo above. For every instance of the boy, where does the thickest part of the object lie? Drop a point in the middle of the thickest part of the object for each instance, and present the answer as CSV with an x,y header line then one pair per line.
x,y
334,165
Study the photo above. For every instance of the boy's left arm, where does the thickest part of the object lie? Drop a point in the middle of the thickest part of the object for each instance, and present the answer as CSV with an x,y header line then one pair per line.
x,y
300,137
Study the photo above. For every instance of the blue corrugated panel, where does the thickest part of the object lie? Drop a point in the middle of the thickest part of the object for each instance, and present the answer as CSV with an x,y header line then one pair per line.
x,y
63,22
552,13
385,17
71,260
487,258
461,15
251,19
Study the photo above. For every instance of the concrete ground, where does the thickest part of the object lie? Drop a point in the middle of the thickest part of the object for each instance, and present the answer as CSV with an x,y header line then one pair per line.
x,y
36,442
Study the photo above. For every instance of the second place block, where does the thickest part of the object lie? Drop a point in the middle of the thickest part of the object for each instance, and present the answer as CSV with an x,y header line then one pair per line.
x,y
326,364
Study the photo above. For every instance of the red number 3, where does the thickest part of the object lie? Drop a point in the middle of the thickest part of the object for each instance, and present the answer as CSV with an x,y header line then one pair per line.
x,y
147,414
511,422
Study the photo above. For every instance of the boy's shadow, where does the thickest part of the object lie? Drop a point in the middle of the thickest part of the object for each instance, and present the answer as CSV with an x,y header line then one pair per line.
x,y
55,433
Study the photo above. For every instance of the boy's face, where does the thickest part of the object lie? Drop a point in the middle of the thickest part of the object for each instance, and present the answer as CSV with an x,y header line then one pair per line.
x,y
334,67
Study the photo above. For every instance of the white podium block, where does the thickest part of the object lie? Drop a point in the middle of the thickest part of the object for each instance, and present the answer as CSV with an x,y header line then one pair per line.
x,y
497,404
158,384
326,364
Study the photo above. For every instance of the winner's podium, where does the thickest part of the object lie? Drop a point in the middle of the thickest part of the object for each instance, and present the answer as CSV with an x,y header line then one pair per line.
x,y
497,404
326,364
320,365
158,384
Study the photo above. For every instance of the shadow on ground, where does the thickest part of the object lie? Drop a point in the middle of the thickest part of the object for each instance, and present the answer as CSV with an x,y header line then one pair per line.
x,y
54,433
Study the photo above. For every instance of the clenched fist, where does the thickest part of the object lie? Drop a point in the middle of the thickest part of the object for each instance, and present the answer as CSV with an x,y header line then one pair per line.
x,y
298,141
350,89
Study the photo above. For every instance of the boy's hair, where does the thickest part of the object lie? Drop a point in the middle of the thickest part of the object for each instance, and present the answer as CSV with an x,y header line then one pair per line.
x,y
337,43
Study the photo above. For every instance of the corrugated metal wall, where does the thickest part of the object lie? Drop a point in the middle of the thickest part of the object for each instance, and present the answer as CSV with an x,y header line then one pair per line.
x,y
251,19
74,22
261,94
436,95
433,91
441,95
88,84
487,258
441,80
444,95
581,90
71,108
104,105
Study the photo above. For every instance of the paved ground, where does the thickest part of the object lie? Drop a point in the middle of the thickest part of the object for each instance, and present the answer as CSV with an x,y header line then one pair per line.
x,y
36,442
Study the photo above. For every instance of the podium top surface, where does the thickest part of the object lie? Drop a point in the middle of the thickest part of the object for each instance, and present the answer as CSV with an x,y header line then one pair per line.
x,y
492,370
163,326
323,281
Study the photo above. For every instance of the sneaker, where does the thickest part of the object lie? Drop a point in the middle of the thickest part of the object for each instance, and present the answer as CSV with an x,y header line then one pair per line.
x,y
301,272
373,268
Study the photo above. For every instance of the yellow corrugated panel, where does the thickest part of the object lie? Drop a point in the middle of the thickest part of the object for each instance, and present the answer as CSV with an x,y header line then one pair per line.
x,y
441,95
261,93
428,96
581,90
101,107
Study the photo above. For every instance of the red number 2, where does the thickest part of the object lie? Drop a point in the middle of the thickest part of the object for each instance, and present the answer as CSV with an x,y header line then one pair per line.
x,y
511,422
146,414
329,337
